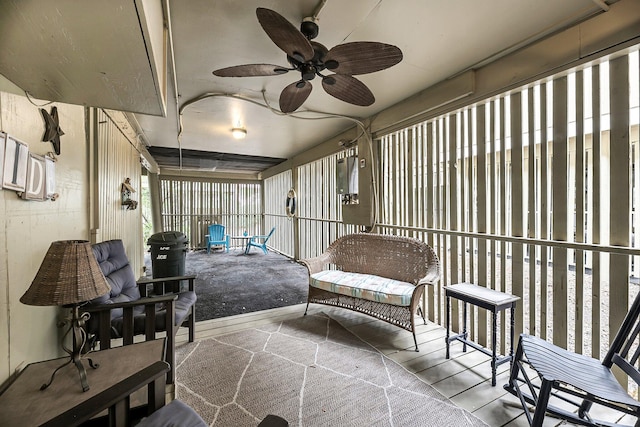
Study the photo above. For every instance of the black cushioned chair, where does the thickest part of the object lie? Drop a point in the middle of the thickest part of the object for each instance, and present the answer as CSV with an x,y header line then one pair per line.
x,y
129,309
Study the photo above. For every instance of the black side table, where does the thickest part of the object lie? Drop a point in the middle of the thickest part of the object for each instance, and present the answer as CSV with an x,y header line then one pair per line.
x,y
488,299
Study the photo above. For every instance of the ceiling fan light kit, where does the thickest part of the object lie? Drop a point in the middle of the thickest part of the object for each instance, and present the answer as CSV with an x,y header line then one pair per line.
x,y
311,58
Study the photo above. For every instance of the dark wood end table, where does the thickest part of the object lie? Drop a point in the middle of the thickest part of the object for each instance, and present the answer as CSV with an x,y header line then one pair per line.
x,y
24,404
489,299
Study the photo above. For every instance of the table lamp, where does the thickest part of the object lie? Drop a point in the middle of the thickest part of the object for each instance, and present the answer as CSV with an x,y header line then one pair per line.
x,y
69,276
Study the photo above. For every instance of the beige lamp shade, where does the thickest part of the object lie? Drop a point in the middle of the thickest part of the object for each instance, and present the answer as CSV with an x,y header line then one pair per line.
x,y
69,274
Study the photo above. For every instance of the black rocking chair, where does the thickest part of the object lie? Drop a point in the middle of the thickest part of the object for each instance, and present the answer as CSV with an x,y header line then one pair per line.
x,y
575,379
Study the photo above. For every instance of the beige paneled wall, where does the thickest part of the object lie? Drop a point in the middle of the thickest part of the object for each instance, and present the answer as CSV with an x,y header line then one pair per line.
x,y
276,189
27,228
116,159
87,209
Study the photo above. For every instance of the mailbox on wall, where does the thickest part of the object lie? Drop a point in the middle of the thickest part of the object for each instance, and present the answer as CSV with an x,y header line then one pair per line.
x,y
347,179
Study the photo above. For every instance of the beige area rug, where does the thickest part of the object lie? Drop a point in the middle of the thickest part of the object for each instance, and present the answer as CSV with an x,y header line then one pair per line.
x,y
310,371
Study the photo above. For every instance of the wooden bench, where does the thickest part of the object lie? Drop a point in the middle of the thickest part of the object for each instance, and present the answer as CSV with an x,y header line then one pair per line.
x,y
486,298
379,275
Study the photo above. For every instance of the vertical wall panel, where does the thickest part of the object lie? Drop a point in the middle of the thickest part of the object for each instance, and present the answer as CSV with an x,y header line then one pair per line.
x,y
531,209
595,208
275,192
517,209
117,159
502,207
560,210
545,180
482,178
579,168
620,190
320,209
431,205
493,191
453,194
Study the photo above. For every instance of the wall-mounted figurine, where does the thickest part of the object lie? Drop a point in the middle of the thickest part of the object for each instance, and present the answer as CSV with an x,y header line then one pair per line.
x,y
126,190
52,131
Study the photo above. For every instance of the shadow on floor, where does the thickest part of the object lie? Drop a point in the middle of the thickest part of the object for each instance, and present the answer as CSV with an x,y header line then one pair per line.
x,y
234,283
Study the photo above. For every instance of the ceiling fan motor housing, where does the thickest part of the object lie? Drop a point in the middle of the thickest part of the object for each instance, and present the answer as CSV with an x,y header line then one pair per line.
x,y
308,71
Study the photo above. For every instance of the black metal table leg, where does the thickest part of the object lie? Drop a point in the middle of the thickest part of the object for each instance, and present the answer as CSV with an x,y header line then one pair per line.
x,y
447,315
494,336
513,332
464,326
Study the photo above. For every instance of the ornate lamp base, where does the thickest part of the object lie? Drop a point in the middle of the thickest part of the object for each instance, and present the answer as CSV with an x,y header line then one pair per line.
x,y
76,326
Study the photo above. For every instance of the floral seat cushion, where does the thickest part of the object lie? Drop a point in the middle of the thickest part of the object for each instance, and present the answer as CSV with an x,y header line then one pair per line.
x,y
364,286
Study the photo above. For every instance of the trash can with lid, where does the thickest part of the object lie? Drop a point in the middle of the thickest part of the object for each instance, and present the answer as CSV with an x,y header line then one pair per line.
x,y
168,254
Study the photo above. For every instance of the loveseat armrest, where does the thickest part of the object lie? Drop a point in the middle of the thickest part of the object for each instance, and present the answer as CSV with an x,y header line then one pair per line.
x,y
432,277
316,264
143,282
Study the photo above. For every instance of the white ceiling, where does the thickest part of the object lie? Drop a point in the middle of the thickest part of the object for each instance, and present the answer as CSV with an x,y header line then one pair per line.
x,y
438,39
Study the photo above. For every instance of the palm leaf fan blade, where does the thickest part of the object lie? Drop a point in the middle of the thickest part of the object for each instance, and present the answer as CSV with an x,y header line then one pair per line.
x,y
294,95
250,70
348,89
285,35
362,57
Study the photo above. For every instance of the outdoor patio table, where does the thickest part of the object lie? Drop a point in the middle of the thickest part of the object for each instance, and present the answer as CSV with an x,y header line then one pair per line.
x,y
243,241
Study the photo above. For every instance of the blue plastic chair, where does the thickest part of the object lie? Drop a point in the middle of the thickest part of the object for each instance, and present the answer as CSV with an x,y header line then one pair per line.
x,y
259,242
216,237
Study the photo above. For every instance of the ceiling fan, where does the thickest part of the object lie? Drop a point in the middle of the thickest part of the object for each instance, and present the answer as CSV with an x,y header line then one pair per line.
x,y
311,58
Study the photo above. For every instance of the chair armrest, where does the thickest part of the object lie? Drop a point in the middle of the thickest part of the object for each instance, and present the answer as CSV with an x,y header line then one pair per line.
x,y
315,265
146,280
143,282
116,397
142,301
103,314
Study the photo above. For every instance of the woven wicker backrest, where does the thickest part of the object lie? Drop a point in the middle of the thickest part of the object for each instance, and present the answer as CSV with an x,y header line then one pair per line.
x,y
395,257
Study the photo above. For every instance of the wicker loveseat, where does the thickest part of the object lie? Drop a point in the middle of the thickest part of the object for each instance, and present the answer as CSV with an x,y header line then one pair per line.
x,y
379,275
